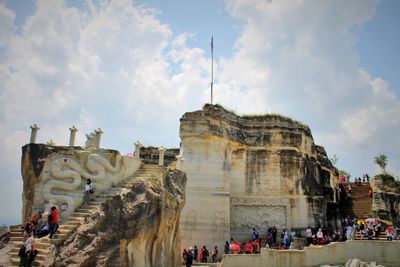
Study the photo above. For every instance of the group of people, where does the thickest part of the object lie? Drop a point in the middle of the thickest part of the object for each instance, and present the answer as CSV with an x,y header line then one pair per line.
x,y
192,254
253,245
369,228
40,225
365,178
43,224
352,228
248,247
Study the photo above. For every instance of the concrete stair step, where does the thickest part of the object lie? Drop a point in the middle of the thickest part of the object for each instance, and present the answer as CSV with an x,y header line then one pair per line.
x,y
97,202
64,230
15,226
71,223
80,214
89,210
17,238
13,234
41,251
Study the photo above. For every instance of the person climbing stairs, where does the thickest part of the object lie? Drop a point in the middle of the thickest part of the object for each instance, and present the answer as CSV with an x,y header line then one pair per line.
x,y
359,203
44,244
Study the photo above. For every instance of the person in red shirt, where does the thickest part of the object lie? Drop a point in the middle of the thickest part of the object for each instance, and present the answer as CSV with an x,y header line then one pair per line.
x,y
53,221
248,247
236,247
256,246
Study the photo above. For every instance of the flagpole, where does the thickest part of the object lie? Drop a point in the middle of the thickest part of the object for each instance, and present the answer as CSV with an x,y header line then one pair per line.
x,y
212,67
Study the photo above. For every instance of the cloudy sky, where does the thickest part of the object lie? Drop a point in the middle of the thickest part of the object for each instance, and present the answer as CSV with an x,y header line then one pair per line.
x,y
133,68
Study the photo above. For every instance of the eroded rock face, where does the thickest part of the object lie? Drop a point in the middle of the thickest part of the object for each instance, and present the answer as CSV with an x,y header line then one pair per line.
x,y
386,198
250,171
139,227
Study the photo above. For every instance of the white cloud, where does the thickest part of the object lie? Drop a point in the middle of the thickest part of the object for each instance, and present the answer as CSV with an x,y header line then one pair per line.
x,y
7,28
112,65
297,58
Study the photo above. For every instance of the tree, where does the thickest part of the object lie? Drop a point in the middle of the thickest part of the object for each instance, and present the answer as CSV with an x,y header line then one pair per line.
x,y
381,160
334,159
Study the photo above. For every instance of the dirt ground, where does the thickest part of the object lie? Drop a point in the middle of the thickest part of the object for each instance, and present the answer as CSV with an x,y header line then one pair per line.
x,y
4,260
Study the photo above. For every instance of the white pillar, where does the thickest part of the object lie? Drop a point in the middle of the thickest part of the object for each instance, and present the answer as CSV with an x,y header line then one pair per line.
x,y
98,132
137,149
34,130
161,156
72,136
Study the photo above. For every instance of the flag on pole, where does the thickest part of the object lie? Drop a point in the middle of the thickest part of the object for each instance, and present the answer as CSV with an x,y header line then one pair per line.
x,y
212,67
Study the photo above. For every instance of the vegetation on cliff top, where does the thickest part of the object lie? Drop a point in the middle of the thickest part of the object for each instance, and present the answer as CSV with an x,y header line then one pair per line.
x,y
381,160
259,116
389,183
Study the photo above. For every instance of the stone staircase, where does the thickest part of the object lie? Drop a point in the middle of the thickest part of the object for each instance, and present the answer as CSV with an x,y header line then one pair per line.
x,y
357,236
77,217
360,203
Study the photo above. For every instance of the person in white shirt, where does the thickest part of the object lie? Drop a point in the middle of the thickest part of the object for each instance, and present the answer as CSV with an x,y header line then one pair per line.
x,y
309,235
88,192
320,234
30,251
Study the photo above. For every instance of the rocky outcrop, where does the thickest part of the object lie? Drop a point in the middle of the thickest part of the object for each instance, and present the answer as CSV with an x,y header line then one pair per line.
x,y
359,263
386,198
4,237
138,227
251,171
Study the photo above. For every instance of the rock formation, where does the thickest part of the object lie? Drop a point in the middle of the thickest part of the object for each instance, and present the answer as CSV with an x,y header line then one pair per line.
x,y
139,227
251,171
136,222
358,263
55,175
386,198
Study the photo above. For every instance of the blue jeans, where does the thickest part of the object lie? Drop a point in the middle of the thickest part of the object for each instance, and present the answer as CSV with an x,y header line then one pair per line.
x,y
53,229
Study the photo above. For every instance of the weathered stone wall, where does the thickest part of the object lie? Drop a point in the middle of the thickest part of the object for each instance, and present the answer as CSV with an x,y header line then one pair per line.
x,y
386,199
381,252
150,155
246,172
56,175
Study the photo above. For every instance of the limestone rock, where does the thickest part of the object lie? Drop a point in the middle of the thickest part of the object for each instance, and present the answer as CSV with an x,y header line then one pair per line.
x,y
359,263
4,237
386,198
251,171
139,227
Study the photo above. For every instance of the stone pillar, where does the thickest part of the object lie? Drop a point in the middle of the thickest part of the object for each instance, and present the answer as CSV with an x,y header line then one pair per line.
x,y
98,132
72,136
161,156
137,149
34,130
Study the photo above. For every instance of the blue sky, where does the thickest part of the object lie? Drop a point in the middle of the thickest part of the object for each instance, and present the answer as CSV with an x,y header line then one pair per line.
x,y
379,42
134,67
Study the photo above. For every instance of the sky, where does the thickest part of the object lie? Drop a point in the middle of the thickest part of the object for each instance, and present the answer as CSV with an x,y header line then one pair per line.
x,y
133,68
